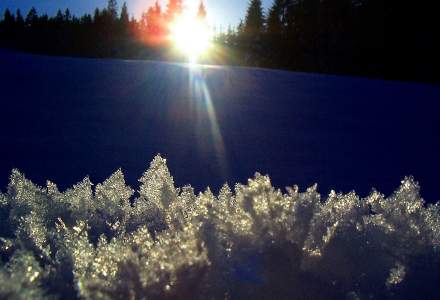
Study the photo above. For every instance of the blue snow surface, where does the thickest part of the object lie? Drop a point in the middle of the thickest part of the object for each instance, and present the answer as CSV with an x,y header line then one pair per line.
x,y
65,118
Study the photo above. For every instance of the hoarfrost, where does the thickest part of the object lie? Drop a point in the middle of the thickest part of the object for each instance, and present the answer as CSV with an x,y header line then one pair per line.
x,y
251,242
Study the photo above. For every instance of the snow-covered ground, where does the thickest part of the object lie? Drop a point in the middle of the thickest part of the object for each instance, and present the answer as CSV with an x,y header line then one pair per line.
x,y
65,118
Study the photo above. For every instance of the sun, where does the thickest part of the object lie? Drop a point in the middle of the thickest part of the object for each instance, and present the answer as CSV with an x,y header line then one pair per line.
x,y
191,36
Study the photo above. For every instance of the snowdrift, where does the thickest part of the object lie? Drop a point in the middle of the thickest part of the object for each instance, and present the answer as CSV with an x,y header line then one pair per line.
x,y
254,241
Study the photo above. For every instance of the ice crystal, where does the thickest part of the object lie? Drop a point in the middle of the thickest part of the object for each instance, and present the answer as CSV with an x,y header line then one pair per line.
x,y
397,274
157,184
21,277
253,241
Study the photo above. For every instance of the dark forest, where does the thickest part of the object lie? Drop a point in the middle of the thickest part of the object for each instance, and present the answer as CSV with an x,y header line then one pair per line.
x,y
372,38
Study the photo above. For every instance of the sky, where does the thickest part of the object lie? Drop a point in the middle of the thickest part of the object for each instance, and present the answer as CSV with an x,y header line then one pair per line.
x,y
220,12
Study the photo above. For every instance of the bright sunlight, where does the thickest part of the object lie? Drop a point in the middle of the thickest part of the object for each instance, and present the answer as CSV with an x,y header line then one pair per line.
x,y
191,35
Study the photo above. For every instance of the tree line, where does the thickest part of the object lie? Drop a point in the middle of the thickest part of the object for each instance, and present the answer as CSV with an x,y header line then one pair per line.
x,y
109,32
375,38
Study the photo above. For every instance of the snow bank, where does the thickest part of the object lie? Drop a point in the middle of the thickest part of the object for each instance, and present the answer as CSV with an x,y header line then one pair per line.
x,y
250,242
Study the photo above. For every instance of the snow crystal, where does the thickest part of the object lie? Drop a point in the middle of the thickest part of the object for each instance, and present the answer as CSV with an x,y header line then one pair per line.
x,y
107,243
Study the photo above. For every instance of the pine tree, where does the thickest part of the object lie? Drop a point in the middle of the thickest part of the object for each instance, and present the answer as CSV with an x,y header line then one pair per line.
x,y
230,35
112,9
8,18
174,8
276,17
86,19
124,14
201,13
240,27
67,16
251,37
59,18
275,28
32,17
254,21
7,27
19,19
152,24
96,15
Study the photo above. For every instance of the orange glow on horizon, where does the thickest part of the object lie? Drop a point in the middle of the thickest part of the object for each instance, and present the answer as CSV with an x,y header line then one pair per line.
x,y
187,33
